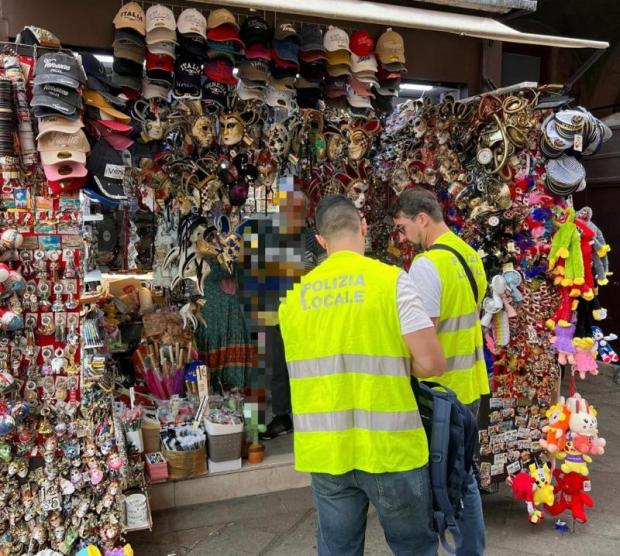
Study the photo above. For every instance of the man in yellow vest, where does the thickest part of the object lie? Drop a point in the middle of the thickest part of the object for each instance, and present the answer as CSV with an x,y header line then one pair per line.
x,y
450,278
354,329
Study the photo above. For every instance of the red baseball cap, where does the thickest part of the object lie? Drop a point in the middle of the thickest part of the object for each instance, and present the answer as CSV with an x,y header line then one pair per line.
x,y
220,70
361,43
226,32
258,51
160,62
283,63
66,185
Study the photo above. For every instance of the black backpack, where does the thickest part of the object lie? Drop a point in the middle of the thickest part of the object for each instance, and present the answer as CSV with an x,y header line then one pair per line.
x,y
452,432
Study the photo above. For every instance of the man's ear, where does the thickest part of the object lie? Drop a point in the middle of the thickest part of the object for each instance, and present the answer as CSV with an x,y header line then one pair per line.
x,y
321,241
364,227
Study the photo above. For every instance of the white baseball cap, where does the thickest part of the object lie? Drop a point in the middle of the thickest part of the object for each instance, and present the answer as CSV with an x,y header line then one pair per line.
x,y
152,89
160,25
250,93
336,39
357,101
163,47
361,64
191,21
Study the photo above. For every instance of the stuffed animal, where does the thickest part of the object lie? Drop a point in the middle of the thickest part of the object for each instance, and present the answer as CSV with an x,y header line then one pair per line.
x,y
523,486
562,343
586,238
600,261
584,427
605,351
573,460
564,313
584,357
571,496
565,258
543,491
557,428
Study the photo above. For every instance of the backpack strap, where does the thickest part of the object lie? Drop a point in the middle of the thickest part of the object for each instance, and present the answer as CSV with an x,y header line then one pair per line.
x,y
443,514
461,259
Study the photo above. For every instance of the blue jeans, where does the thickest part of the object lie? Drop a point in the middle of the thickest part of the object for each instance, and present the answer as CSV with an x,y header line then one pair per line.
x,y
403,501
471,521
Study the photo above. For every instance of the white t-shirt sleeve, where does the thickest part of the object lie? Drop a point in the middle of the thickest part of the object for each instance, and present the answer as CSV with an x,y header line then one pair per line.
x,y
410,308
425,276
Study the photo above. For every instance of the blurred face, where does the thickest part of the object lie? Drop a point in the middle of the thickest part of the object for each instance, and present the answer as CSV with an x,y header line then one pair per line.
x,y
292,211
413,230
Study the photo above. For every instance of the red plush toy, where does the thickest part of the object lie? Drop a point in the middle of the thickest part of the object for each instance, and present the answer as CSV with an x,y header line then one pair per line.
x,y
587,237
570,488
523,486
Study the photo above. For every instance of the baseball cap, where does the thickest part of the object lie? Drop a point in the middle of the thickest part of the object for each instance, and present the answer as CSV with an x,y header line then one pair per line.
x,y
47,104
220,70
58,124
311,38
313,55
111,124
56,147
339,70
339,57
255,70
163,47
336,39
279,72
287,50
131,52
160,24
187,77
59,68
258,51
221,17
157,64
107,171
360,88
131,16
67,185
286,30
94,98
192,22
284,84
361,43
226,32
68,96
361,64
131,82
314,72
214,92
303,83
64,171
192,44
37,36
255,30
96,74
356,100
391,48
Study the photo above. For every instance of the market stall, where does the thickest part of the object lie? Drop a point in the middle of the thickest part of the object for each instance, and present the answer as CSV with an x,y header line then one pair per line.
x,y
150,224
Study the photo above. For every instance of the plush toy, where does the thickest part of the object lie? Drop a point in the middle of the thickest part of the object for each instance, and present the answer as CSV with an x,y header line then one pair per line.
x,y
605,351
584,357
573,460
543,491
565,258
557,428
562,343
600,260
586,238
564,313
523,486
571,496
583,426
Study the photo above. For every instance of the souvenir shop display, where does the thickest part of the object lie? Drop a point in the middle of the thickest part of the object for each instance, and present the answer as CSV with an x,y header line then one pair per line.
x,y
127,351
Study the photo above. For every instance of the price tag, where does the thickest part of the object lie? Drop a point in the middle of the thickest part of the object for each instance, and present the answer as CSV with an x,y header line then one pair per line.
x,y
587,486
578,143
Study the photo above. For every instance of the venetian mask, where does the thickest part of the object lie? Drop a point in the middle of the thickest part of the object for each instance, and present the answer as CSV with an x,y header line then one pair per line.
x,y
232,129
279,141
357,193
358,145
202,131
335,147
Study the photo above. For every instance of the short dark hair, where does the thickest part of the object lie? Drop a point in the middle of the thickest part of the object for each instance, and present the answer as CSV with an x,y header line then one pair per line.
x,y
412,202
336,214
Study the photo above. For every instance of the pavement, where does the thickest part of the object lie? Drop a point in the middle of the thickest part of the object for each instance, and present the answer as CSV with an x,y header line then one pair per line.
x,y
284,524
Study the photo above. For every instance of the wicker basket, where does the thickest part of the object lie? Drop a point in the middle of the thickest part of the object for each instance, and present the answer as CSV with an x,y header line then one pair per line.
x,y
186,464
150,435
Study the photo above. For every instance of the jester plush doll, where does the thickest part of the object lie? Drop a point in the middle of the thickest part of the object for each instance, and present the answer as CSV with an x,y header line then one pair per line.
x,y
570,495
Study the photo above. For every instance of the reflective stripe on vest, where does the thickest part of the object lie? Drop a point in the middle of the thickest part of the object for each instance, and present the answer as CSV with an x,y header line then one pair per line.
x,y
458,327
374,365
357,419
349,367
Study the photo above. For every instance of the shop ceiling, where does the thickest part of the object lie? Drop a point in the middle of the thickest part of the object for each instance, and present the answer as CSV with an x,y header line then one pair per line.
x,y
495,6
411,17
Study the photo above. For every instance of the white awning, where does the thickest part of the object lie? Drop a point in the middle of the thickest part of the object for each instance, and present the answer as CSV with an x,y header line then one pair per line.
x,y
414,18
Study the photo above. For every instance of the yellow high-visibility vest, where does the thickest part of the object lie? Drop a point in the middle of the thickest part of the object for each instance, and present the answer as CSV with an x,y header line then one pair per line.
x,y
349,368
458,328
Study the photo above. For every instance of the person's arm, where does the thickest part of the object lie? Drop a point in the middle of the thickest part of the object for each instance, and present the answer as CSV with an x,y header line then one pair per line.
x,y
418,331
